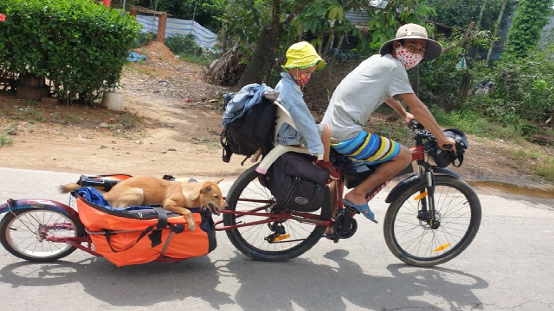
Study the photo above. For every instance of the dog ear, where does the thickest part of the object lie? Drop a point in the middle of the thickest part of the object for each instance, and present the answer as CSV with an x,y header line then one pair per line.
x,y
206,186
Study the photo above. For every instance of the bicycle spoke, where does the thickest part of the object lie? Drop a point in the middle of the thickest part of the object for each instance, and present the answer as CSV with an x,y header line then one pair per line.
x,y
425,241
28,233
281,239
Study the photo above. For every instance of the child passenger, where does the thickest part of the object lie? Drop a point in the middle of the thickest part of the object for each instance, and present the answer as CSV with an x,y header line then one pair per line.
x,y
302,61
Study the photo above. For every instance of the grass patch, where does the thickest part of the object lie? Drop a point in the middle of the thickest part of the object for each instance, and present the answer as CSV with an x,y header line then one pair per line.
x,y
32,114
545,168
138,69
530,157
534,159
472,123
203,60
5,140
207,144
24,113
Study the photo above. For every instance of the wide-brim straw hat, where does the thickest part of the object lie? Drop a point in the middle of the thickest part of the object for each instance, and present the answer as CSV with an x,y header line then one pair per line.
x,y
303,55
414,31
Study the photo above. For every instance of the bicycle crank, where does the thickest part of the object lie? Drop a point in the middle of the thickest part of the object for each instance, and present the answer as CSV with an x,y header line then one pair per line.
x,y
345,225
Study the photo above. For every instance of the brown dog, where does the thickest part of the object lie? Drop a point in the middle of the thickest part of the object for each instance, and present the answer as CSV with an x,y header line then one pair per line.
x,y
174,196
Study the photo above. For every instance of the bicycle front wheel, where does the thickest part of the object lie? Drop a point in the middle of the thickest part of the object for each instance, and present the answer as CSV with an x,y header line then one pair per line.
x,y
418,241
29,233
278,240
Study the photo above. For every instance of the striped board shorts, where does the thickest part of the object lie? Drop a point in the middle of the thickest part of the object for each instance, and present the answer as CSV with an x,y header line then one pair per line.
x,y
369,148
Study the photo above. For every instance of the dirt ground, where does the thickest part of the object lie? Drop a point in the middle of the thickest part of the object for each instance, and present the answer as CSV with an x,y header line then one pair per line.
x,y
178,135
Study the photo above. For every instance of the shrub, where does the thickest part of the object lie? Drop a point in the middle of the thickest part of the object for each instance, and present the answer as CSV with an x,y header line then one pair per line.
x,y
79,46
179,44
525,85
143,38
440,81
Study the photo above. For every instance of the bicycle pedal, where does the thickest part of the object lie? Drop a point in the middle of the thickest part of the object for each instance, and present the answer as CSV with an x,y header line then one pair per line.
x,y
281,237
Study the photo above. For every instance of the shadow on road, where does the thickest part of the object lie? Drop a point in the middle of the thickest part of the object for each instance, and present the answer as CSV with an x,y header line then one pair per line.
x,y
259,285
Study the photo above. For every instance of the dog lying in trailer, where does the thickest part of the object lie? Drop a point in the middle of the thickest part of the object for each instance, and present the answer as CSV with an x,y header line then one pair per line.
x,y
174,196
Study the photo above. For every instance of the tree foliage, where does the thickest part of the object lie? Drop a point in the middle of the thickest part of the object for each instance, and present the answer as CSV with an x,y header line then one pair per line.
x,y
282,16
524,85
530,18
383,23
79,46
319,21
459,14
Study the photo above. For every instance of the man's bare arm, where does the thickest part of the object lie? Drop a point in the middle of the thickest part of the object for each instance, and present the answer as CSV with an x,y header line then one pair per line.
x,y
397,106
424,116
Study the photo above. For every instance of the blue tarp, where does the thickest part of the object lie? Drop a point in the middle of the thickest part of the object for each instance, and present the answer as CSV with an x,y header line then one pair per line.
x,y
135,57
203,36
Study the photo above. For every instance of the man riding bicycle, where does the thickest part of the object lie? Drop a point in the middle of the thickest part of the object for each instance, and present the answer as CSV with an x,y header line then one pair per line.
x,y
376,80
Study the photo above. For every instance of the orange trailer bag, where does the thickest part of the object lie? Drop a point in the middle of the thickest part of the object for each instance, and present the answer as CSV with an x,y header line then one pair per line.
x,y
142,234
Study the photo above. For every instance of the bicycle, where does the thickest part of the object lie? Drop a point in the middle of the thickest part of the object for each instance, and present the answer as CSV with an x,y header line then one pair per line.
x,y
433,214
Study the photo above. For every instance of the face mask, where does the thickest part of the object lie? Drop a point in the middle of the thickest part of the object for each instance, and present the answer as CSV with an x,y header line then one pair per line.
x,y
407,58
302,79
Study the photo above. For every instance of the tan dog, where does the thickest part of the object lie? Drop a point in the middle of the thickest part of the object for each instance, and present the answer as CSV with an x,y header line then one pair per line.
x,y
174,196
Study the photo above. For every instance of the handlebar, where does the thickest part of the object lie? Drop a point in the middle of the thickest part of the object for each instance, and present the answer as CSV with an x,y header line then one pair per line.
x,y
420,131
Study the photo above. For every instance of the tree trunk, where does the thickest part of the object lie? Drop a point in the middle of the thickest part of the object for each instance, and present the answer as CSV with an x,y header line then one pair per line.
x,y
416,80
466,77
259,68
223,37
227,69
542,139
257,71
496,27
550,120
464,88
329,44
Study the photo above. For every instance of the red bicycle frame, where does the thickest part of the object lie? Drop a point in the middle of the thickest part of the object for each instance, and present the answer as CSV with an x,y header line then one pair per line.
x,y
417,152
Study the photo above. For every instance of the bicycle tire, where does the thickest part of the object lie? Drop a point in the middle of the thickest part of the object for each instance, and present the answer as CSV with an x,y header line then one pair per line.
x,y
251,240
20,234
414,242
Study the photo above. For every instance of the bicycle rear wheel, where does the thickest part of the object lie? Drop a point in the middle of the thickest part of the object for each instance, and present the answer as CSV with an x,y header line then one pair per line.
x,y
27,234
280,240
420,243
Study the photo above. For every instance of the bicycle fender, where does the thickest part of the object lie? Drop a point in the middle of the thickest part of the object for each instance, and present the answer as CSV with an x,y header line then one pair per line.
x,y
415,179
445,171
13,205
399,188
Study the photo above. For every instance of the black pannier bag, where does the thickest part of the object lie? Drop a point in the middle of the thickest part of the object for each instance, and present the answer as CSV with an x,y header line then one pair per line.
x,y
251,131
296,183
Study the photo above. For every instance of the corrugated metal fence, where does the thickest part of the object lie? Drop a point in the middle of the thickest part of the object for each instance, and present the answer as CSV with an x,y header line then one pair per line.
x,y
203,36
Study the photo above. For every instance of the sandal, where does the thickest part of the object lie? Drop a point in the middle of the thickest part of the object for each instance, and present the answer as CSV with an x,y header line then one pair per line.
x,y
362,209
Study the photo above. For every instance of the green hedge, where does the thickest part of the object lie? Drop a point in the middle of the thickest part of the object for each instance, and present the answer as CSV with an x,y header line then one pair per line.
x,y
78,45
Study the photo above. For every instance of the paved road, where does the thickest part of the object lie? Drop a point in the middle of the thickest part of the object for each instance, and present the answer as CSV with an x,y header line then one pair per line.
x,y
509,266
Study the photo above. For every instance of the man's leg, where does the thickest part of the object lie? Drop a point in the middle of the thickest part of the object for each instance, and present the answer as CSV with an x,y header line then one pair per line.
x,y
385,172
372,148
